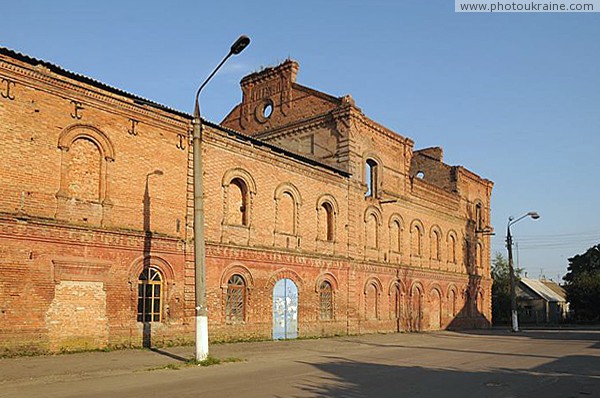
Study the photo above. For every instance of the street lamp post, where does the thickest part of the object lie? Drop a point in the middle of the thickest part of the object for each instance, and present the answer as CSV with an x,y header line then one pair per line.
x,y
199,249
513,297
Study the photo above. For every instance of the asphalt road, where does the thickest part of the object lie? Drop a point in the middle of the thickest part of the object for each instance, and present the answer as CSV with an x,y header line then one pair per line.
x,y
496,363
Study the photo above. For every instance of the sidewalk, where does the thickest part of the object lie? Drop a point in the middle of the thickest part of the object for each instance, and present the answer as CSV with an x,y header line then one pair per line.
x,y
96,364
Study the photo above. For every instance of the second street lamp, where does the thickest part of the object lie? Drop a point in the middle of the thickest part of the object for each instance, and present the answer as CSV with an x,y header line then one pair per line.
x,y
513,297
199,247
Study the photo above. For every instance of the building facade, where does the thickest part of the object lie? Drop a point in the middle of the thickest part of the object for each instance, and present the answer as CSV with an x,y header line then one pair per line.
x,y
319,221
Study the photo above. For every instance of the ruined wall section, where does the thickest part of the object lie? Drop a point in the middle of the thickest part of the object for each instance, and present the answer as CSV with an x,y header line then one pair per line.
x,y
271,98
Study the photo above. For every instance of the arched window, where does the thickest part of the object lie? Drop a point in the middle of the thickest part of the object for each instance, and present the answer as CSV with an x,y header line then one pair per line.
x,y
237,206
326,301
84,170
150,293
452,249
478,217
415,237
326,222
371,177
452,303
371,231
479,255
235,303
395,236
371,301
286,214
435,245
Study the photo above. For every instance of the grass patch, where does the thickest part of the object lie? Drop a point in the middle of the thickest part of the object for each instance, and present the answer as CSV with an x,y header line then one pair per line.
x,y
233,359
210,361
171,366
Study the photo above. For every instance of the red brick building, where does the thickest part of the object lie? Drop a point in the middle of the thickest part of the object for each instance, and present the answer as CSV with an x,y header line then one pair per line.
x,y
319,221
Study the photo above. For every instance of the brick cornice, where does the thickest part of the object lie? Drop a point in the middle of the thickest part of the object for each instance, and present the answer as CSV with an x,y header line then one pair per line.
x,y
51,231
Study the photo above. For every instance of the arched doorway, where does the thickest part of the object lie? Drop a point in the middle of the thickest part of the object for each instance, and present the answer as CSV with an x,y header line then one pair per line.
x,y
435,319
285,310
417,309
397,306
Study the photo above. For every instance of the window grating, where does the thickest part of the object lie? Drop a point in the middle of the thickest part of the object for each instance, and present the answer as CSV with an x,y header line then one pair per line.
x,y
326,301
236,297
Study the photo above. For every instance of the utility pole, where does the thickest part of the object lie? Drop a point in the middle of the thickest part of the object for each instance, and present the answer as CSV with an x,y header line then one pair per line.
x,y
509,242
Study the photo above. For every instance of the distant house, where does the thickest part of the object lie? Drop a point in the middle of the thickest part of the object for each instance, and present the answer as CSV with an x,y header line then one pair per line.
x,y
541,301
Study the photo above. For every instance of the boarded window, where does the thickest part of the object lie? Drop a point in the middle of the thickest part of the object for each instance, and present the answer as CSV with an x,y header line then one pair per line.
x,y
326,301
236,299
150,291
395,236
237,206
452,303
415,237
416,310
371,301
395,305
371,231
286,214
479,255
84,170
451,249
435,245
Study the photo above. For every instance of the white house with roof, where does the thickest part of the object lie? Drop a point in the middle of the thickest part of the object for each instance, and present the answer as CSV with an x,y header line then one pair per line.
x,y
541,301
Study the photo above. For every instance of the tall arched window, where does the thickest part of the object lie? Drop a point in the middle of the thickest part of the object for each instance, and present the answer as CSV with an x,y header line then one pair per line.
x,y
435,245
371,231
286,214
84,170
371,177
452,303
326,222
415,237
237,206
371,301
235,303
452,249
478,217
150,291
395,236
326,301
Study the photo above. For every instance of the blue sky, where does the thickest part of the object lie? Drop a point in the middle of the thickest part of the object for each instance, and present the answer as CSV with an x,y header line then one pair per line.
x,y
514,97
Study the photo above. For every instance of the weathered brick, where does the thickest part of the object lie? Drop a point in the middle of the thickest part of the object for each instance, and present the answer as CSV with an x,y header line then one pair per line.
x,y
96,186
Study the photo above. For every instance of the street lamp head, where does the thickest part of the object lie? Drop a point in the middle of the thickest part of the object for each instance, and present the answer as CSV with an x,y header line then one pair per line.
x,y
534,215
157,172
240,44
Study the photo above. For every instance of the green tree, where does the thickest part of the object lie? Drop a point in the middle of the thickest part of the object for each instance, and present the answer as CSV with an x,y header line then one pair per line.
x,y
582,283
501,288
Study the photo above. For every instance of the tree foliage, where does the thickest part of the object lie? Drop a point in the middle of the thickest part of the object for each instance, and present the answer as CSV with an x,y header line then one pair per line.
x,y
582,283
501,288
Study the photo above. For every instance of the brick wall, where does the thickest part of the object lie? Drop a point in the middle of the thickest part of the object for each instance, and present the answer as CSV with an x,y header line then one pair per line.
x,y
97,186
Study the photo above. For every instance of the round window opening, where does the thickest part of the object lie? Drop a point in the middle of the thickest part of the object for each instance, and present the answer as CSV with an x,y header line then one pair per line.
x,y
267,110
263,111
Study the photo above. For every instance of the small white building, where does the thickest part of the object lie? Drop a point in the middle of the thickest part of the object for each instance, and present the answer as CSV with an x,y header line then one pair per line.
x,y
541,301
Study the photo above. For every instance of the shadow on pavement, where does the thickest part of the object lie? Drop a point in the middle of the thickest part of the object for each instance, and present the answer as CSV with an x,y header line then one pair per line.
x,y
169,354
570,376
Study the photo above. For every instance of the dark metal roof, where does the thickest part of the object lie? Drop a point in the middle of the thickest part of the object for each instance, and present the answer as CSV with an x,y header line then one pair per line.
x,y
88,80
143,101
